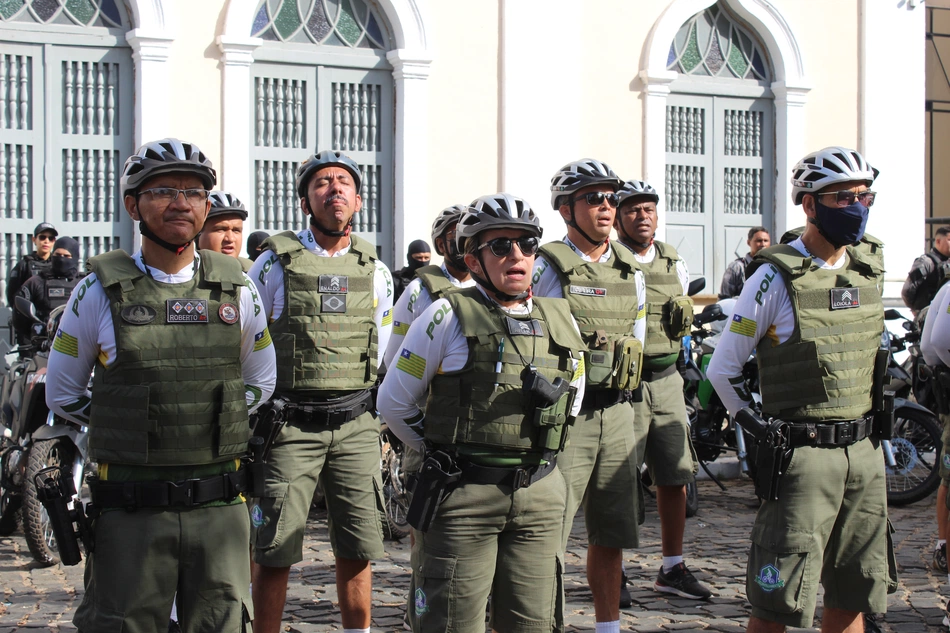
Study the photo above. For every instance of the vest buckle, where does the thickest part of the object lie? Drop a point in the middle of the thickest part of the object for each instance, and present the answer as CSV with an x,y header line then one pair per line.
x,y
182,493
520,478
845,433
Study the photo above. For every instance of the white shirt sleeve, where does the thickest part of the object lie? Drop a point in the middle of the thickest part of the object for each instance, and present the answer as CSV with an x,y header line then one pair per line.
x,y
935,339
404,313
258,358
383,313
683,273
268,275
758,313
640,324
545,281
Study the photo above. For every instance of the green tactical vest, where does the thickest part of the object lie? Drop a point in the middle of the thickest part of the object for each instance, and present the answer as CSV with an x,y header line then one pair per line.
x,y
435,281
663,286
175,394
869,245
483,408
603,300
824,371
325,337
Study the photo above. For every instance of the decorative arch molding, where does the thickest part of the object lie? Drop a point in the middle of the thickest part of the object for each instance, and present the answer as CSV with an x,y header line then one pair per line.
x,y
151,40
790,88
410,59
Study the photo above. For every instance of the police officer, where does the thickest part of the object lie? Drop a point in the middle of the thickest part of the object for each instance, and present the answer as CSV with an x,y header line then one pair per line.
x,y
431,282
44,234
417,255
329,300
935,347
734,277
812,312
225,225
50,289
181,354
471,356
605,289
660,422
928,273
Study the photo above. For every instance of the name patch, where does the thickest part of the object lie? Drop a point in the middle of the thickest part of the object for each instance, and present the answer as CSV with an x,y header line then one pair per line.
x,y
587,291
524,328
186,310
333,304
336,284
844,298
55,292
138,315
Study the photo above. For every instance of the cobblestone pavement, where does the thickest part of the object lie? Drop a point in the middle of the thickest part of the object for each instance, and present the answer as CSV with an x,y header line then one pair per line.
x,y
41,599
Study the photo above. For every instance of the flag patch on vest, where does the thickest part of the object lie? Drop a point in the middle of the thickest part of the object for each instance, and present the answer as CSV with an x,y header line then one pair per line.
x,y
138,314
66,344
336,284
54,293
844,298
186,311
412,364
742,325
333,303
262,340
524,328
587,291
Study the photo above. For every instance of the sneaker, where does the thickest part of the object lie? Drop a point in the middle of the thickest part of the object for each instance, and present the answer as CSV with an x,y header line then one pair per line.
x,y
940,559
626,601
681,582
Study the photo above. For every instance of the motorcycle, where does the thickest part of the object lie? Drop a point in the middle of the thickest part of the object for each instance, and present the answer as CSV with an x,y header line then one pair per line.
x,y
395,495
34,439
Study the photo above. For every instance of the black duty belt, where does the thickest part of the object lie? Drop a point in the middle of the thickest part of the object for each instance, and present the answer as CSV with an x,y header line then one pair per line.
x,y
649,375
332,412
518,477
829,434
595,399
131,495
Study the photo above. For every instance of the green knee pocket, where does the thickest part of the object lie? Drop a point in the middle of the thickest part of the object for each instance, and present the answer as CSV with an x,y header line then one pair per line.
x,y
780,573
433,599
267,515
91,619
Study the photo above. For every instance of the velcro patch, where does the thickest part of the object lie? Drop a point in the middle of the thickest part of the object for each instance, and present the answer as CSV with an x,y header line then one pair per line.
x,y
844,298
55,292
336,284
587,291
524,328
333,303
186,311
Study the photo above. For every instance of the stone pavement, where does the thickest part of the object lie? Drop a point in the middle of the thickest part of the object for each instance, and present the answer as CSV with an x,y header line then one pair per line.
x,y
43,599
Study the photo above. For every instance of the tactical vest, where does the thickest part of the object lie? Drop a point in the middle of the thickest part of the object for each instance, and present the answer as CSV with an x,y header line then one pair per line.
x,y
665,304
325,337
175,394
58,290
434,280
603,300
824,371
869,245
245,263
478,406
38,265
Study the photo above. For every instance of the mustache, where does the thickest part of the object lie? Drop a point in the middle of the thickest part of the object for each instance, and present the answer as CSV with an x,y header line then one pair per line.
x,y
333,199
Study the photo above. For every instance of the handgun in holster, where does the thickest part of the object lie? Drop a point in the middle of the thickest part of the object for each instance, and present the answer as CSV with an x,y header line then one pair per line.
x,y
882,402
549,404
55,489
773,451
434,482
271,418
253,462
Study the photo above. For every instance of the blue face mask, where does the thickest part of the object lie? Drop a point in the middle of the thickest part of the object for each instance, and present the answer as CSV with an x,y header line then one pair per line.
x,y
841,226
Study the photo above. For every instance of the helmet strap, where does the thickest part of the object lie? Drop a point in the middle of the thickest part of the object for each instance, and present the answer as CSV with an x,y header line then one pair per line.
x,y
486,283
323,229
573,223
178,249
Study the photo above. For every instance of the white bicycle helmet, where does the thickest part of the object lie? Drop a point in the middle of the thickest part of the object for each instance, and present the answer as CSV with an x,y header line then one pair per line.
x,y
498,211
633,188
446,218
165,156
324,159
223,203
578,175
828,166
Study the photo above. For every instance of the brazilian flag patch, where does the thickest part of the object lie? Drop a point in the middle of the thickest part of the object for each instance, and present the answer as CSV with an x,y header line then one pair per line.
x,y
412,364
66,344
262,340
742,326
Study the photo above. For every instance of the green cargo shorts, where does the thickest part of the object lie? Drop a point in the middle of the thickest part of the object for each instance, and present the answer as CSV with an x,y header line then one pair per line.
x,y
346,460
488,539
143,558
945,452
600,467
662,432
829,525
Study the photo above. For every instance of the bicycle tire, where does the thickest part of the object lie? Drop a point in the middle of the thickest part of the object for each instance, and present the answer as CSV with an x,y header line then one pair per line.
x,y
916,445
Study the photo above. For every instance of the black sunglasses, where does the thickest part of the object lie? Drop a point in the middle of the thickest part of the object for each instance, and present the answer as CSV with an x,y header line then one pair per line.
x,y
846,197
501,246
596,198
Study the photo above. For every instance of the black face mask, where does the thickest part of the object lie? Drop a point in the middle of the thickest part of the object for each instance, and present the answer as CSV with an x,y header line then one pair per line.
x,y
64,266
841,226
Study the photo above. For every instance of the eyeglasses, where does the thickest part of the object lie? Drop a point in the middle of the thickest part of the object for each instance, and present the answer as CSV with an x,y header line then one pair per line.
x,y
170,194
45,237
596,198
846,197
501,246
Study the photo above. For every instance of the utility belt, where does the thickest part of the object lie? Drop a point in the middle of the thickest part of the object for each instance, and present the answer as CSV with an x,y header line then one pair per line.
x,y
132,495
442,472
596,399
830,434
649,375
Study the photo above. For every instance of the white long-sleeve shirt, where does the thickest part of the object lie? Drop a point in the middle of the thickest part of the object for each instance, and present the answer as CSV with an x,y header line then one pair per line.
x,y
935,339
413,302
546,282
682,272
268,273
88,320
762,310
436,345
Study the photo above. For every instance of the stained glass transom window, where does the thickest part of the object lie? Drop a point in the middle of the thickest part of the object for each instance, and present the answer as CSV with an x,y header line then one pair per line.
x,y
351,23
712,44
107,13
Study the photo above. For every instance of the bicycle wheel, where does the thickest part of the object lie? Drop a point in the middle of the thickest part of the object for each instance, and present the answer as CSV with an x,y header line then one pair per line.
x,y
395,501
916,446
